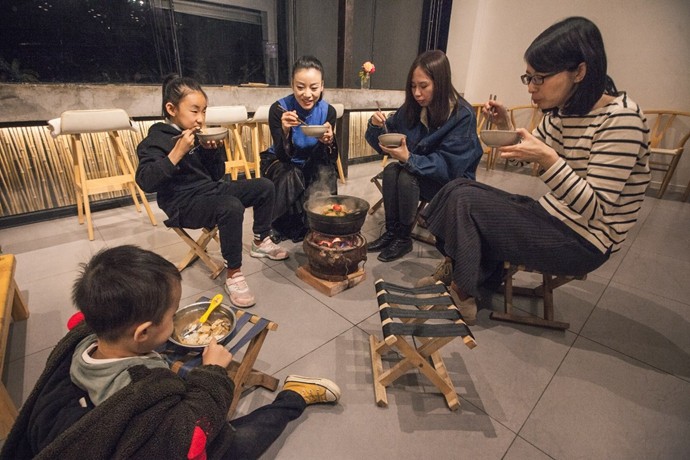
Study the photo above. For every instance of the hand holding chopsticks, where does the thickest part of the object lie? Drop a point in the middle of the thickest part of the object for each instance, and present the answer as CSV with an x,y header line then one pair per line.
x,y
283,109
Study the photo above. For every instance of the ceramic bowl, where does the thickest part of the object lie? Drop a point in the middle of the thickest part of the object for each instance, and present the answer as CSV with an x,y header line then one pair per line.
x,y
190,313
499,138
314,130
212,134
391,139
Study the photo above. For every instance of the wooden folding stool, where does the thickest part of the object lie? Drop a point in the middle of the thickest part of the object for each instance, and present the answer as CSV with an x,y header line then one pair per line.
x,y
250,331
198,250
544,290
430,316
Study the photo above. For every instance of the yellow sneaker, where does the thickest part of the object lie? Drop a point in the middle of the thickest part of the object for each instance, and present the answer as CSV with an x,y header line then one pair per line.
x,y
313,390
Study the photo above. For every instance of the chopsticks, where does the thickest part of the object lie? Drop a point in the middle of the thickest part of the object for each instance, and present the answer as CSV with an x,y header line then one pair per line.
x,y
378,107
302,122
490,117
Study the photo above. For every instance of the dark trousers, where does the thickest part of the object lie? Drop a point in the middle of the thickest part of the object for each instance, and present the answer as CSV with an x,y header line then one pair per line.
x,y
225,207
255,432
402,191
479,227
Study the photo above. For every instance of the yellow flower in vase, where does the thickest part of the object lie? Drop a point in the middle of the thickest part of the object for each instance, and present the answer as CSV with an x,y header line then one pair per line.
x,y
365,74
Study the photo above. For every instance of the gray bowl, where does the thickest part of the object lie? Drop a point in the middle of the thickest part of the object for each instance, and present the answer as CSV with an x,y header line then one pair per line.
x,y
391,140
212,134
190,313
314,130
499,138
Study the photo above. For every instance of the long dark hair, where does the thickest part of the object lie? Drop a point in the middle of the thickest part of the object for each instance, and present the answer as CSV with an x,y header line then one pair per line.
x,y
435,64
175,88
564,46
124,286
308,62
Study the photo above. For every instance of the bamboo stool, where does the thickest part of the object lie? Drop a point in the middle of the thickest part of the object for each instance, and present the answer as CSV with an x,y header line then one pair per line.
x,y
544,290
13,307
197,250
78,122
433,320
231,117
250,331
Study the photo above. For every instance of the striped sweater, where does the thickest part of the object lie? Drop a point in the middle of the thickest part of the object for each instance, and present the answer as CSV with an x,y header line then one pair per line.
x,y
598,183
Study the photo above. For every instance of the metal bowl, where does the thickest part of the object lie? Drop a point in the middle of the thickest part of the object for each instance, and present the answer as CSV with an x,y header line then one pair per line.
x,y
190,313
336,225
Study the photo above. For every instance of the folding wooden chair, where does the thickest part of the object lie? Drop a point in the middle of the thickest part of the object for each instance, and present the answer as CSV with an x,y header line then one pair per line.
x,y
427,314
250,331
339,110
258,126
231,117
197,250
544,290
76,123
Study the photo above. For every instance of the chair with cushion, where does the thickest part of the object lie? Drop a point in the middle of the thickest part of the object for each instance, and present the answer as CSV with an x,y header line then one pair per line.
x,y
670,130
113,167
232,117
260,136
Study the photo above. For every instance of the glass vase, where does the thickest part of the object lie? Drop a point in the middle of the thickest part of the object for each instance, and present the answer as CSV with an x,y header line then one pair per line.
x,y
365,82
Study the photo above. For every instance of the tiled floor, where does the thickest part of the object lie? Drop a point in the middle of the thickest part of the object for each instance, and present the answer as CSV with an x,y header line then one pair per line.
x,y
616,385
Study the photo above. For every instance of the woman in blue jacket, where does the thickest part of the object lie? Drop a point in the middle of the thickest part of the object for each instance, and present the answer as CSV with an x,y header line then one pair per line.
x,y
441,144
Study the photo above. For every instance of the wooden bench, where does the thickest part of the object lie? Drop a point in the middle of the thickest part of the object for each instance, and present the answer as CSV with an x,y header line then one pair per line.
x,y
12,308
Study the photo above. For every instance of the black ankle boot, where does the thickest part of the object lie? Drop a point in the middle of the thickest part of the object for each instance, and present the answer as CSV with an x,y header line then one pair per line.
x,y
381,242
398,248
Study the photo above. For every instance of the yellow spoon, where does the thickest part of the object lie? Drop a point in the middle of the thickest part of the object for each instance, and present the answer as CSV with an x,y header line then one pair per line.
x,y
193,327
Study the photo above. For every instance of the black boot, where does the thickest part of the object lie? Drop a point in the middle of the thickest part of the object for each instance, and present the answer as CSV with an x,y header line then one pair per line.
x,y
382,241
398,248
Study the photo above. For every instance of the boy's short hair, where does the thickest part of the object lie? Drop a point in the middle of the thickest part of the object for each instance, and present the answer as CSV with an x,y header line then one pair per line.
x,y
122,287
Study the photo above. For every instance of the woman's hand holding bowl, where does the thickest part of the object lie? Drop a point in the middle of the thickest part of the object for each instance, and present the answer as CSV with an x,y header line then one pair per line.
x,y
400,153
530,149
327,137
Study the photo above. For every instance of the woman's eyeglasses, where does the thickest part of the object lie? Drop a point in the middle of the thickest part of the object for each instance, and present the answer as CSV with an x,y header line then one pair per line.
x,y
536,79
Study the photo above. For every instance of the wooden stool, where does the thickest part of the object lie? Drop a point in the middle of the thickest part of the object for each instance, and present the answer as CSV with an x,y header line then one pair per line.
x,y
250,330
78,122
13,307
339,111
544,290
258,124
198,250
429,303
231,117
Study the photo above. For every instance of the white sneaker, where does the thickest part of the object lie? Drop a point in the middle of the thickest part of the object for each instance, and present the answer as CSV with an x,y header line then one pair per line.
x,y
238,290
269,249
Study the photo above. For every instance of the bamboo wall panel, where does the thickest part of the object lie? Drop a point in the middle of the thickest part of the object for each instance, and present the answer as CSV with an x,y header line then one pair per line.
x,y
37,170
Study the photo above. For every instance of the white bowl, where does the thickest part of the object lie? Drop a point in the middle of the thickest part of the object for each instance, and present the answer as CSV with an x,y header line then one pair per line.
x,y
212,134
391,139
314,130
499,138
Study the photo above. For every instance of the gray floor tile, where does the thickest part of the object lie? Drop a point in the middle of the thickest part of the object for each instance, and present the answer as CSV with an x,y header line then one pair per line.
x,y
522,450
644,326
602,404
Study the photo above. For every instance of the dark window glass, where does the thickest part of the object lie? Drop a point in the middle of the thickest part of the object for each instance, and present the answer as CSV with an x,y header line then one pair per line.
x,y
128,41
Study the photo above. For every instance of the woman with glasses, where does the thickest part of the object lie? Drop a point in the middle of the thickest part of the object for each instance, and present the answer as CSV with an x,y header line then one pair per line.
x,y
592,150
441,144
298,164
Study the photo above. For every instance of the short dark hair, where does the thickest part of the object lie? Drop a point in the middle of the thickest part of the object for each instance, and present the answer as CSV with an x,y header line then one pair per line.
x,y
175,88
435,64
564,46
308,62
124,286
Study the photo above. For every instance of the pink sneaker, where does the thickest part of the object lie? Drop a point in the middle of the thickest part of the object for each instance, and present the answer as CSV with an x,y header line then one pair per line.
x,y
237,289
269,249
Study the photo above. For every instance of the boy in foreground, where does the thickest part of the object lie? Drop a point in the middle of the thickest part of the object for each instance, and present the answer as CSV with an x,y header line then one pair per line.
x,y
105,392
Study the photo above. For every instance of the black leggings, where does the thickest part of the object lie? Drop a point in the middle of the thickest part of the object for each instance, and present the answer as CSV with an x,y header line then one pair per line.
x,y
402,191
